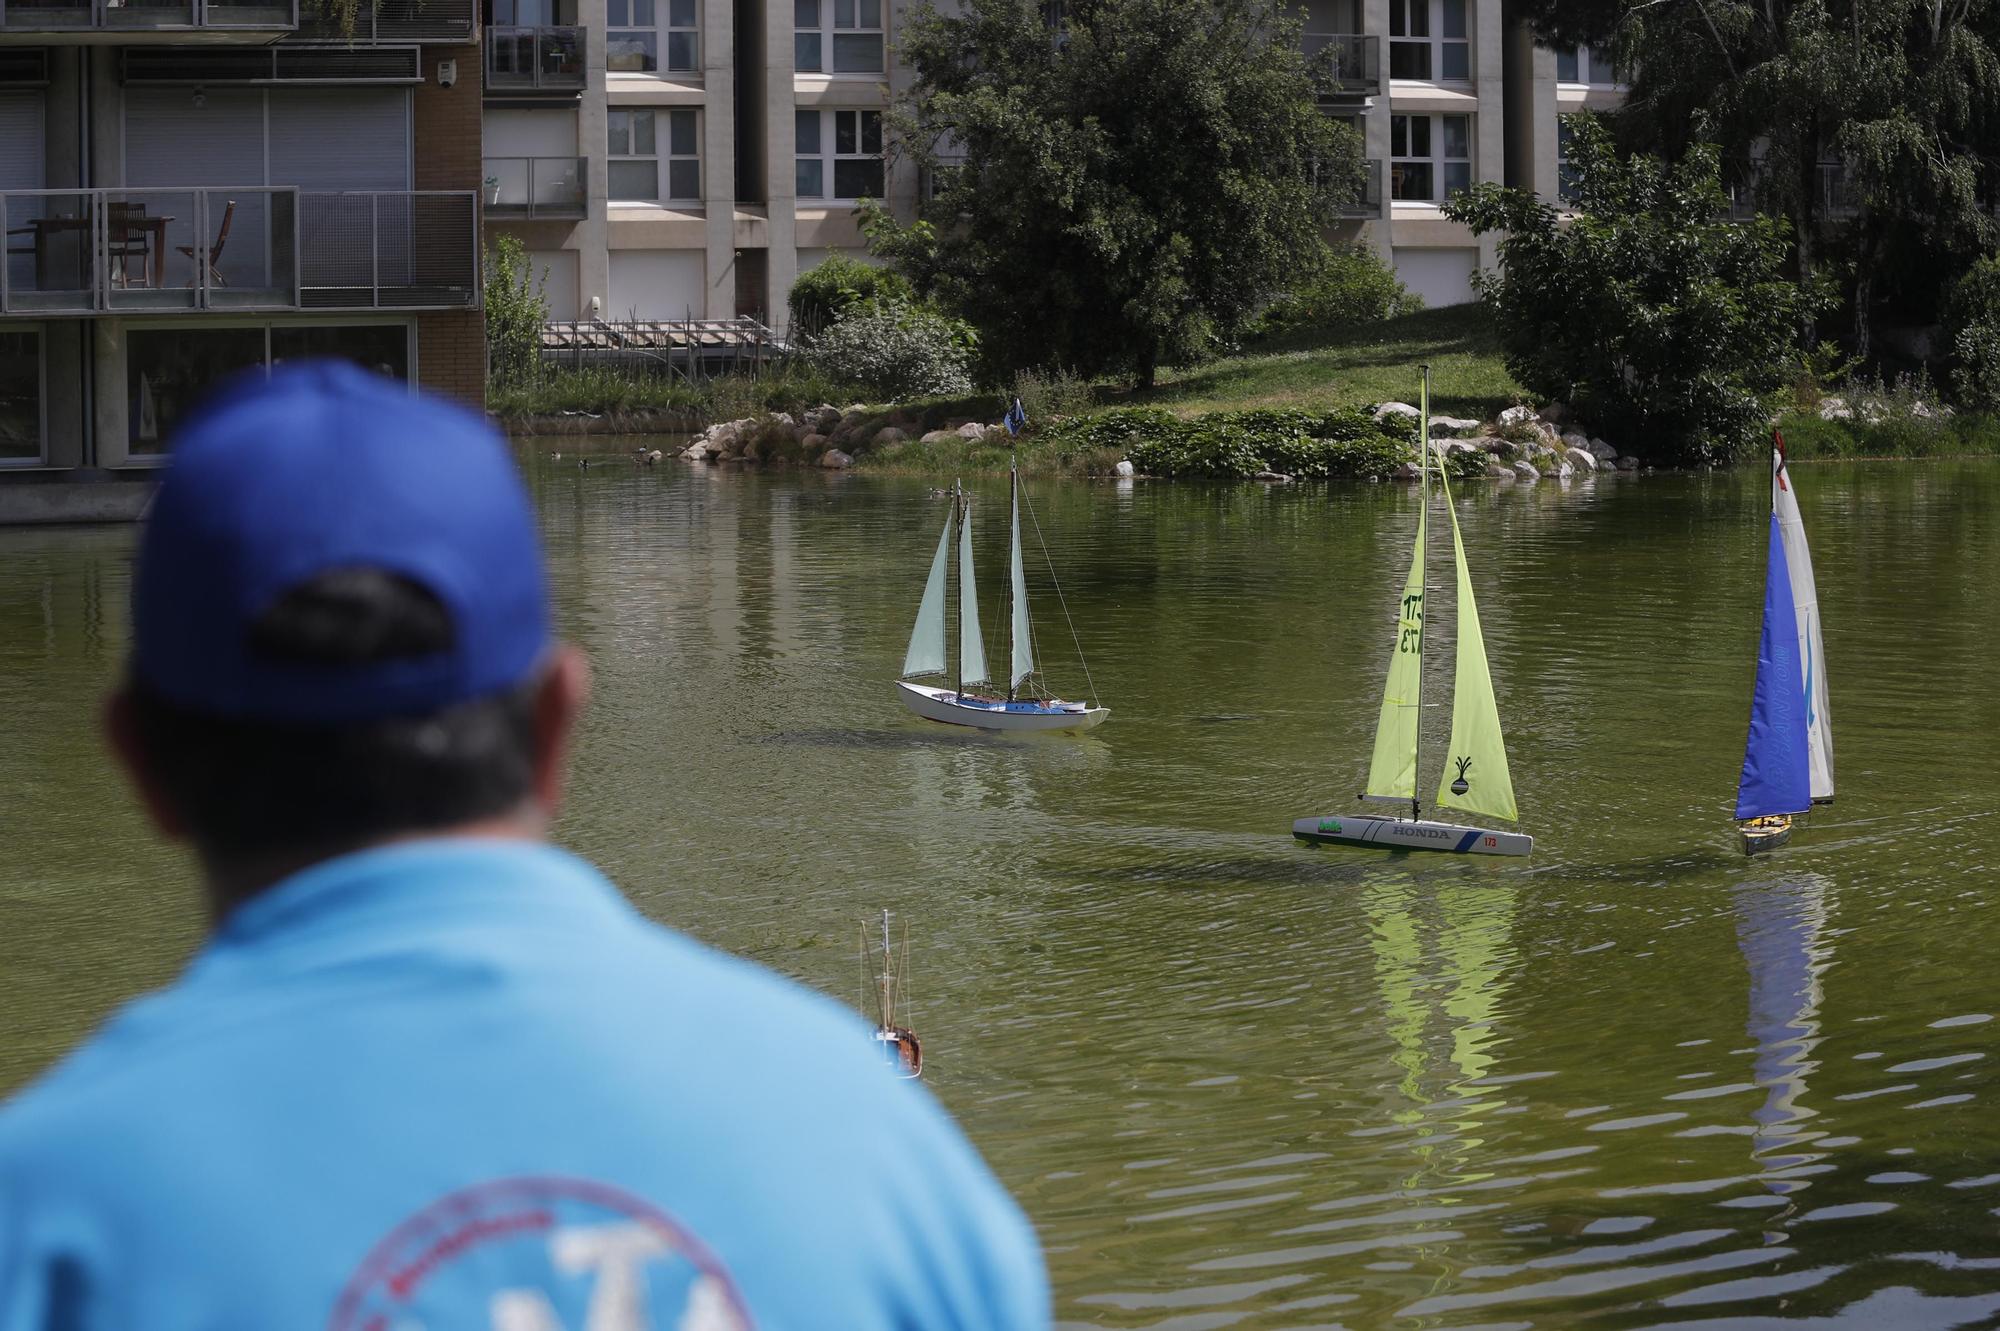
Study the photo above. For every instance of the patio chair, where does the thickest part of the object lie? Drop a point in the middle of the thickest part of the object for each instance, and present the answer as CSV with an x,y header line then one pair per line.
x,y
214,252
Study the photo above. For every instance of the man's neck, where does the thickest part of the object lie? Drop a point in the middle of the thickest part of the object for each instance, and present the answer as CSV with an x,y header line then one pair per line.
x,y
232,882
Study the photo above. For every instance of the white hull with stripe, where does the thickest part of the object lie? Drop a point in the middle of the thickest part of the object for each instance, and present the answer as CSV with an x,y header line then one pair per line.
x,y
1376,833
955,709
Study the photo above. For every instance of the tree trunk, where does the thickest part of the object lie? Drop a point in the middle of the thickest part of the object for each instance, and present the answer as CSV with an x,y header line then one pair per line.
x,y
1805,222
1149,365
1864,293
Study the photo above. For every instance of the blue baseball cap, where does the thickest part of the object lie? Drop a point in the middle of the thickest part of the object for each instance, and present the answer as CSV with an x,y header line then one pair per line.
x,y
320,467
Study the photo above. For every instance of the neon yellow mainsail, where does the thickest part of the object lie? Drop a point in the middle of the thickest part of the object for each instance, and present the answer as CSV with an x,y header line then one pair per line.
x,y
1392,773
1475,774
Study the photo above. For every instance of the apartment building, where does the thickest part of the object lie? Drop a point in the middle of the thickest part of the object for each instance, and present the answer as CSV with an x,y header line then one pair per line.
x,y
193,187
673,159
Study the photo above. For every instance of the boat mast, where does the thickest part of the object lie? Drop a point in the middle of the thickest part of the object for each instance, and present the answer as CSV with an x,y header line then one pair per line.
x,y
958,620
885,984
1014,557
1423,512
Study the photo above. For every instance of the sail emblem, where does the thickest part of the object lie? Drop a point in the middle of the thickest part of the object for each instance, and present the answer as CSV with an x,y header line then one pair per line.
x,y
1460,786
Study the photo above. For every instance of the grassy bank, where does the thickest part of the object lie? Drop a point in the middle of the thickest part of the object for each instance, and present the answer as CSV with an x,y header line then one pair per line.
x,y
1963,434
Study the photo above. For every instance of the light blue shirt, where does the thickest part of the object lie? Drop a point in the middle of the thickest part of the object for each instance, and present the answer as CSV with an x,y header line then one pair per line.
x,y
458,1085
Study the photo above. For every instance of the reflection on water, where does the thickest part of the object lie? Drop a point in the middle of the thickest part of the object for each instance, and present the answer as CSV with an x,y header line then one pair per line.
x,y
1636,1081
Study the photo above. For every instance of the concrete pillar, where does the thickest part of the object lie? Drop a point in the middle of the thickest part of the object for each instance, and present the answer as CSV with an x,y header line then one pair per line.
x,y
780,149
1379,235
593,264
1489,62
718,151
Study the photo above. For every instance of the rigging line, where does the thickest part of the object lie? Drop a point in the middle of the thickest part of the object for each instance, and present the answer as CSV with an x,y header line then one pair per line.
x,y
1061,600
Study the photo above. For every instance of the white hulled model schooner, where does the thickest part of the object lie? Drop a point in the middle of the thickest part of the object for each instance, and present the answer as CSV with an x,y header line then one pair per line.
x,y
1475,777
1021,708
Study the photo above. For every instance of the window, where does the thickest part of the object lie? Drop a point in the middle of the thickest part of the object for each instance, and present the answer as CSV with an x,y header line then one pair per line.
x,y
1430,157
1428,39
632,36
167,370
850,31
20,397
1588,64
644,143
852,142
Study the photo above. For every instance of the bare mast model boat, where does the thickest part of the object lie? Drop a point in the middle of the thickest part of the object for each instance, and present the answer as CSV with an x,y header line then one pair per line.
x,y
897,1042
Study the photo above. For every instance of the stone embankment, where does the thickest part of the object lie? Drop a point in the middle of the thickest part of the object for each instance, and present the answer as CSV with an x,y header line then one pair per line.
x,y
825,436
1522,444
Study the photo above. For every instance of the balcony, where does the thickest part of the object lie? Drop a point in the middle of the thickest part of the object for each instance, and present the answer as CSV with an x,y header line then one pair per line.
x,y
1833,187
175,20
534,61
1369,202
389,250
1356,63
149,251
535,187
449,21
128,251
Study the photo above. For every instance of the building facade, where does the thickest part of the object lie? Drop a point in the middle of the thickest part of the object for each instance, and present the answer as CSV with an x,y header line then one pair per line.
x,y
675,159
194,187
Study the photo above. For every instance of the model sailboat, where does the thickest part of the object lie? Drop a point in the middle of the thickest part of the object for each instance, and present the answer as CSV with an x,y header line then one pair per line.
x,y
898,1043
1022,708
1475,776
1788,758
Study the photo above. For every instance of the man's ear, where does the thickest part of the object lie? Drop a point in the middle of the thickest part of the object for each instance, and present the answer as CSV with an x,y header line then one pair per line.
x,y
121,735
559,702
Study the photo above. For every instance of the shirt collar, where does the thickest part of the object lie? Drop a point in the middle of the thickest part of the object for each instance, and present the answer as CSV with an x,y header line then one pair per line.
x,y
441,876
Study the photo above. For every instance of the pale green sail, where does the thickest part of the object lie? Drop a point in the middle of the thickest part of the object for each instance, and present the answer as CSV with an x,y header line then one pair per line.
x,y
1475,774
927,647
1392,773
971,644
1023,633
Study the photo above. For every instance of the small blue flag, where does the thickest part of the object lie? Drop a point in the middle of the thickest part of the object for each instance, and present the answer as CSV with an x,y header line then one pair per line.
x,y
1017,419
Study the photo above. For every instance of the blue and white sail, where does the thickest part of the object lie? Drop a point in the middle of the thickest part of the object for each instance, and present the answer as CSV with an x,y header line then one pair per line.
x,y
1777,775
1805,610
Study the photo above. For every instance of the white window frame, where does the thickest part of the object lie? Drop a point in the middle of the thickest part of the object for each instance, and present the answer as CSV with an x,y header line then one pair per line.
x,y
671,30
1425,25
660,123
818,26
1595,68
828,155
116,452
1442,166
41,457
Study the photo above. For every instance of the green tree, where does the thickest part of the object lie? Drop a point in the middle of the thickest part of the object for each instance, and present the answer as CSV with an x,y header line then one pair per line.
x,y
1874,125
1660,321
515,313
822,294
1118,187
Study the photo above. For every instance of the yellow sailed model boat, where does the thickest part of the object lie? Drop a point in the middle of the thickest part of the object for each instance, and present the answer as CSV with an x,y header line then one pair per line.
x,y
1475,776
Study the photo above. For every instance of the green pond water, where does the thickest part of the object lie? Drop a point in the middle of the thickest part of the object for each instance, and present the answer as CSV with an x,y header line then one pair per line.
x,y
1636,1080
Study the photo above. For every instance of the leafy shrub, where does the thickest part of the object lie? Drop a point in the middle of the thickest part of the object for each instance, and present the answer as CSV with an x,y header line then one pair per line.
x,y
896,351
823,295
1355,287
1235,444
515,313
1649,312
1045,396
1976,366
1972,322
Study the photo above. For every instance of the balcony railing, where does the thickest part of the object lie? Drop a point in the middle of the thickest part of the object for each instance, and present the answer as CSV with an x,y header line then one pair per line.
x,y
389,250
392,21
53,18
87,251
535,187
1356,62
532,60
75,252
1369,202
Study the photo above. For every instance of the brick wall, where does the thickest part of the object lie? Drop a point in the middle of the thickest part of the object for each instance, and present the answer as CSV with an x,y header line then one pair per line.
x,y
451,344
447,122
451,354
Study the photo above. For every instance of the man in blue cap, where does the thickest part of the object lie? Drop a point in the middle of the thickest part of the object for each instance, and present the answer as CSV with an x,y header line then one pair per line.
x,y
429,1071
